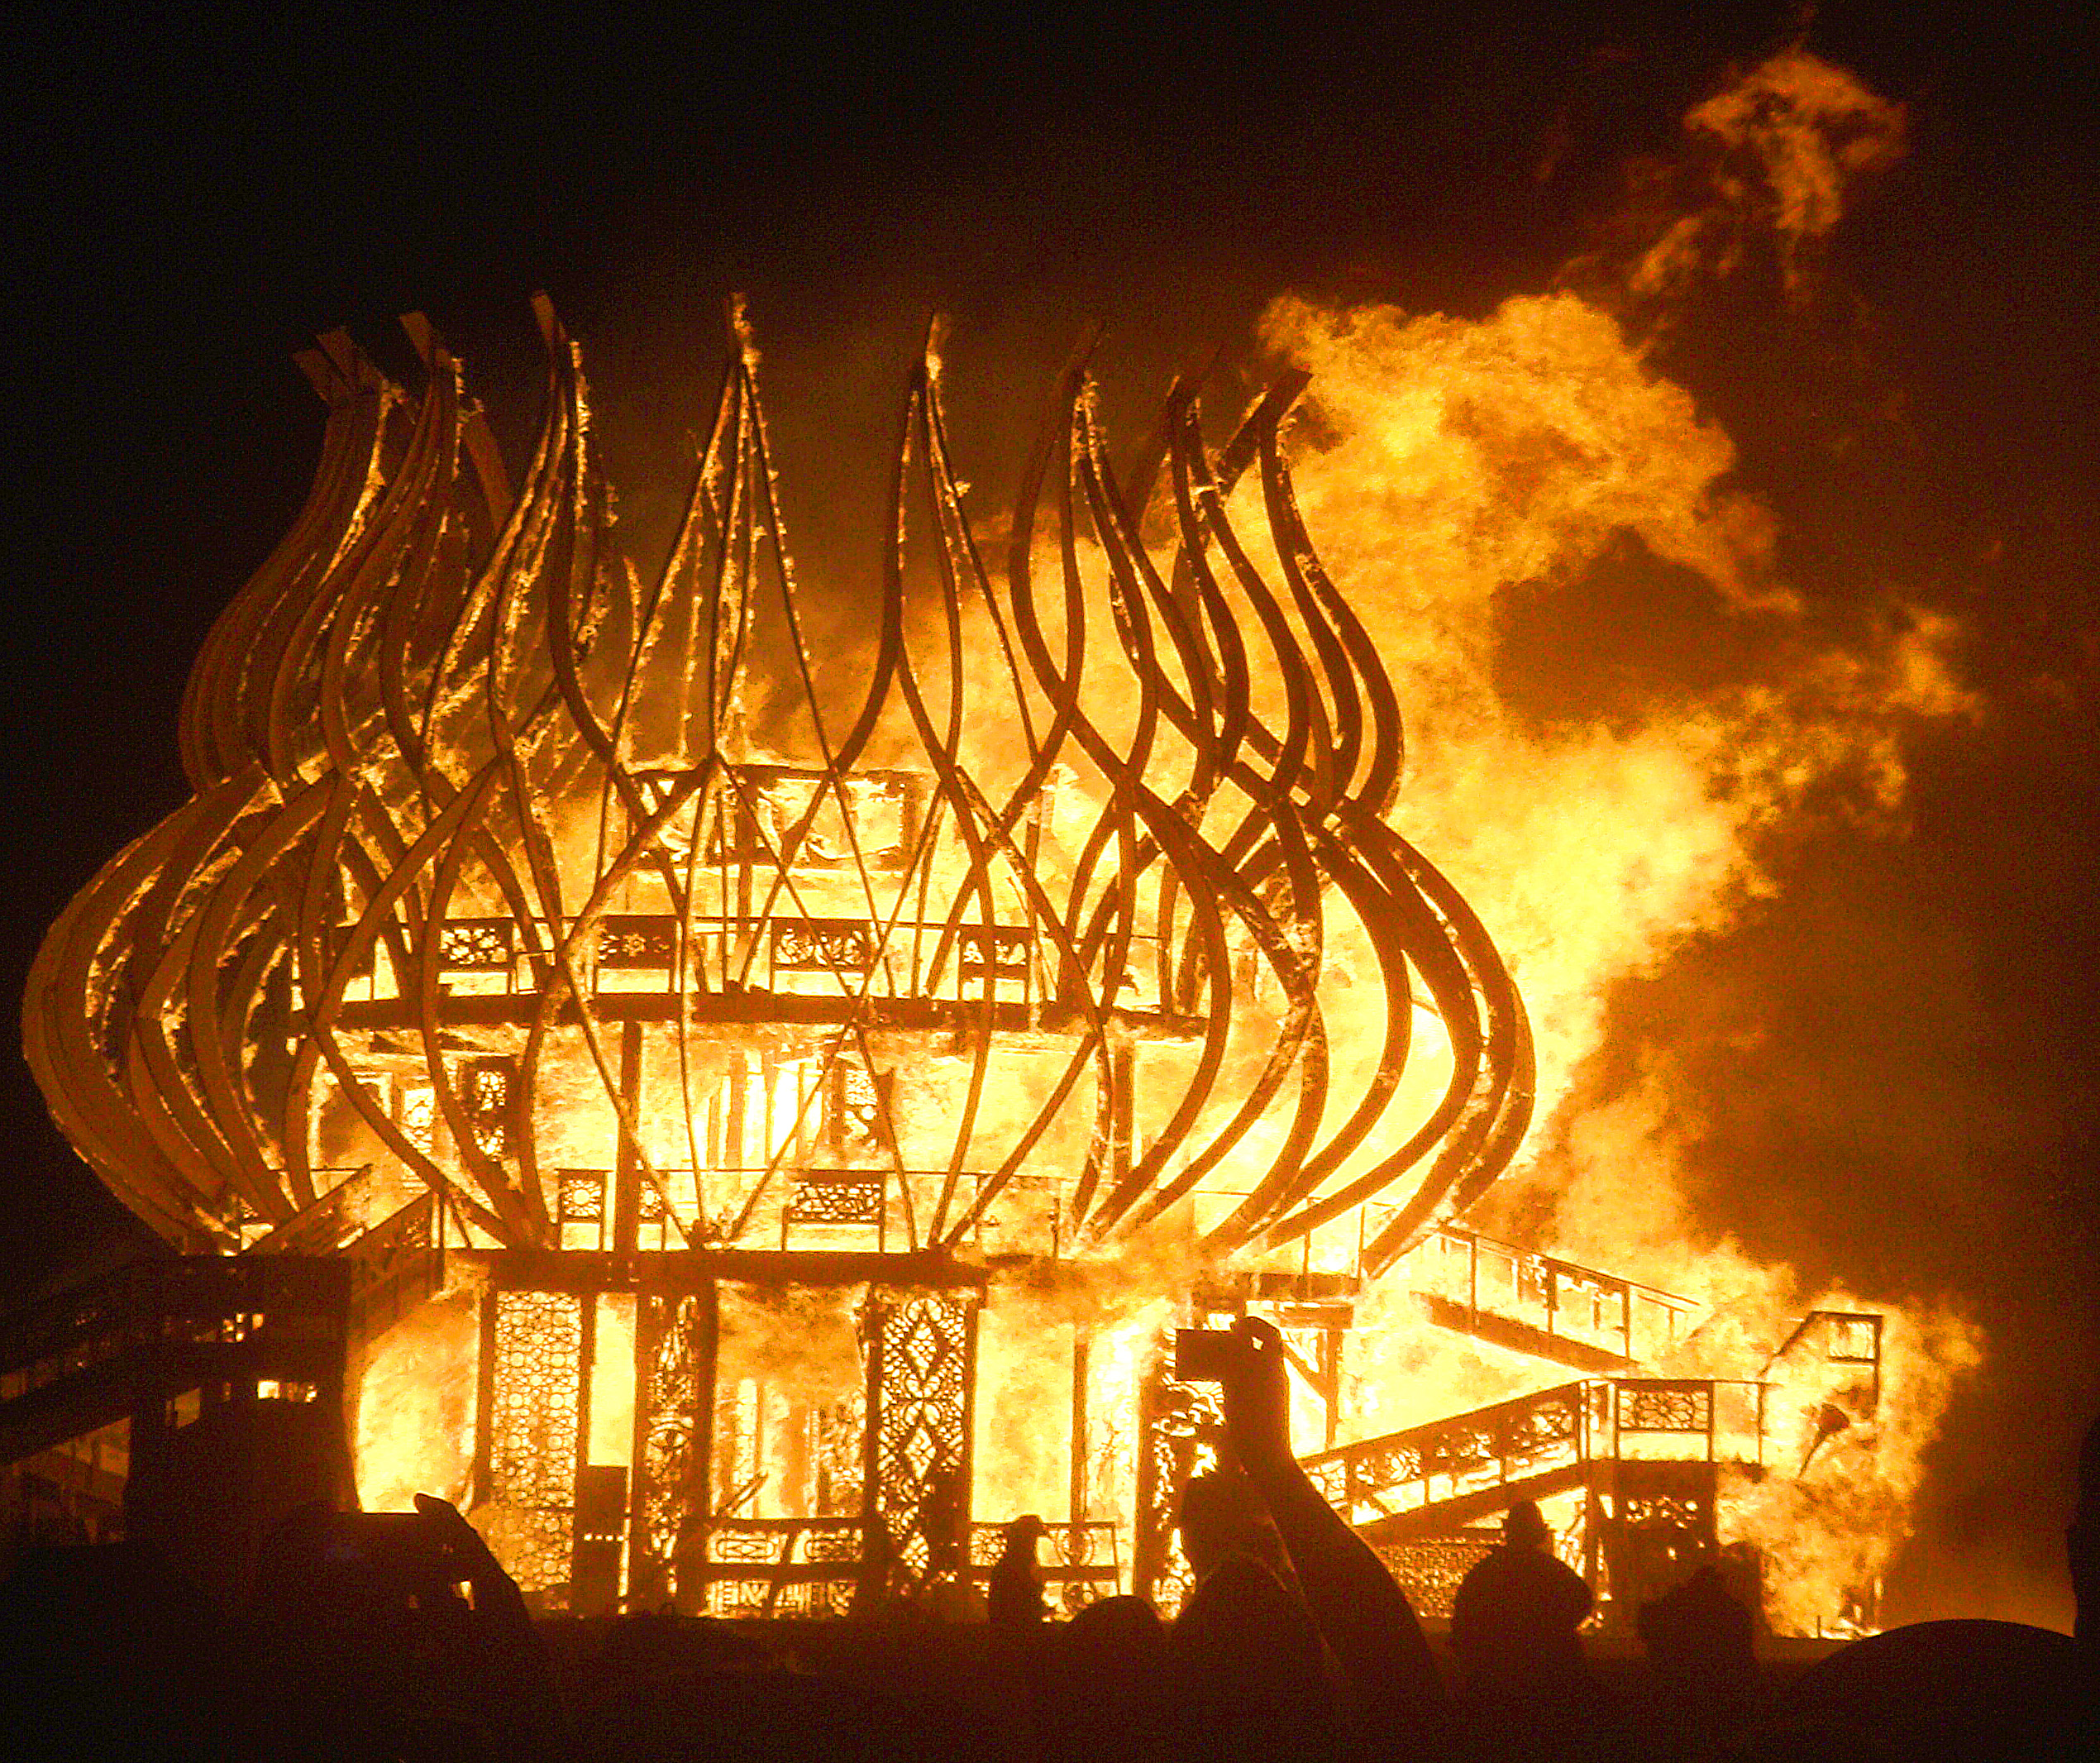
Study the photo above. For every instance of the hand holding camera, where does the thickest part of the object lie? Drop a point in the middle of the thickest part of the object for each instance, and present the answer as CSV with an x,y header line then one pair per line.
x,y
1247,1362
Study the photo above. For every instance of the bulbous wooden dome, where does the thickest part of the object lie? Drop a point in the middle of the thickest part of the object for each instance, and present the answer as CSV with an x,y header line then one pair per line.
x,y
509,862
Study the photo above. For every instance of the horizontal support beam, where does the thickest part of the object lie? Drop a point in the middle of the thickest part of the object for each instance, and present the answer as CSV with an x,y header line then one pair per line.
x,y
157,1371
1521,1337
1440,1516
521,1009
677,1270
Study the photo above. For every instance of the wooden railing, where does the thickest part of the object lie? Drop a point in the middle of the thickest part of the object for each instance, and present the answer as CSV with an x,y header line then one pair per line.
x,y
1083,1557
1486,1448
1470,1281
783,952
395,1266
811,1566
1553,1434
778,1566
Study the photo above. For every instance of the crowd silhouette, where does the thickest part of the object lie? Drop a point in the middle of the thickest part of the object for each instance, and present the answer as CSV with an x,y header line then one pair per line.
x,y
370,1636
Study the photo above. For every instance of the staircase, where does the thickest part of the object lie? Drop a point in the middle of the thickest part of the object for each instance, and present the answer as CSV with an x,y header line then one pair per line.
x,y
138,1342
1431,1480
1573,1316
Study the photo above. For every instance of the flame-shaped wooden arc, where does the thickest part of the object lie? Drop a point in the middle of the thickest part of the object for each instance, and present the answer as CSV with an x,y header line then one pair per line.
x,y
439,702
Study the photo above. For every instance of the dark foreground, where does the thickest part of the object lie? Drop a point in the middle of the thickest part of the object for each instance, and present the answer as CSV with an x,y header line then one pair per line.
x,y
104,1662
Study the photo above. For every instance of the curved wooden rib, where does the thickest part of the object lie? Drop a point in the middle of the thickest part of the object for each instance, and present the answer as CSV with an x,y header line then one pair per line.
x,y
440,700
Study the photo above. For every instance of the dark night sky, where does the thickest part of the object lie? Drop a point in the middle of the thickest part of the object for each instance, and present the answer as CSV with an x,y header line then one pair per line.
x,y
191,201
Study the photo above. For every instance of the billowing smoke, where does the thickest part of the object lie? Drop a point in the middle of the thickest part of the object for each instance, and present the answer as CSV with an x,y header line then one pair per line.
x,y
1522,506
1632,731
1770,163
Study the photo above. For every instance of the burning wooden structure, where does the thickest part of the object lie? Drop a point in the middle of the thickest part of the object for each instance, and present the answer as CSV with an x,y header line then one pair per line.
x,y
568,934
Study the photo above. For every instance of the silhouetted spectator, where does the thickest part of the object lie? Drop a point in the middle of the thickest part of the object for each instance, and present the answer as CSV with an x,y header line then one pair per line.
x,y
1015,1600
1699,1636
1981,1692
741,1716
1514,1622
1244,1656
1393,1697
107,1652
1700,1643
1106,1701
357,1640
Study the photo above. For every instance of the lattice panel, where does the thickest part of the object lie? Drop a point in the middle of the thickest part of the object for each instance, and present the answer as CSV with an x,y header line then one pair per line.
x,y
1332,1479
1390,1466
1429,1570
670,1394
1665,1512
488,1092
844,1199
772,1567
627,943
994,949
823,945
748,1546
1674,1496
856,1122
1545,1430
581,1196
419,1116
1663,1525
923,1349
1183,1425
1666,1408
841,1459
536,1342
474,945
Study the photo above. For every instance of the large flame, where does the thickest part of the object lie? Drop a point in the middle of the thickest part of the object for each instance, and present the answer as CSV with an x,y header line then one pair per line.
x,y
1165,756
1527,455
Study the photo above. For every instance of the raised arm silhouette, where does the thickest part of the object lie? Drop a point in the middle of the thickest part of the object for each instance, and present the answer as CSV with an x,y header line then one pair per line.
x,y
1392,1693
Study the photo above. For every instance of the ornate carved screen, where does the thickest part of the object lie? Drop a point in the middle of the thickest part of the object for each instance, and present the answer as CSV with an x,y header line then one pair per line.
x,y
1180,1425
921,1370
674,1343
532,1420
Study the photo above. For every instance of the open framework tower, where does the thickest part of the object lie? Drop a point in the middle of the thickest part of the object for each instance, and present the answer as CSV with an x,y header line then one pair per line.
x,y
737,1026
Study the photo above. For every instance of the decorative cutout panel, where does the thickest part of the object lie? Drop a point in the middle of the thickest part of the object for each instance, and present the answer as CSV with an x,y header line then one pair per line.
x,y
535,1342
474,945
626,943
853,1120
823,945
582,1195
1662,1407
1431,1568
488,1092
840,1197
923,1348
1180,1425
994,949
674,1388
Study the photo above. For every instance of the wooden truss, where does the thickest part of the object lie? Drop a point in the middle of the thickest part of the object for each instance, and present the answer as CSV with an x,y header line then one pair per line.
x,y
581,898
